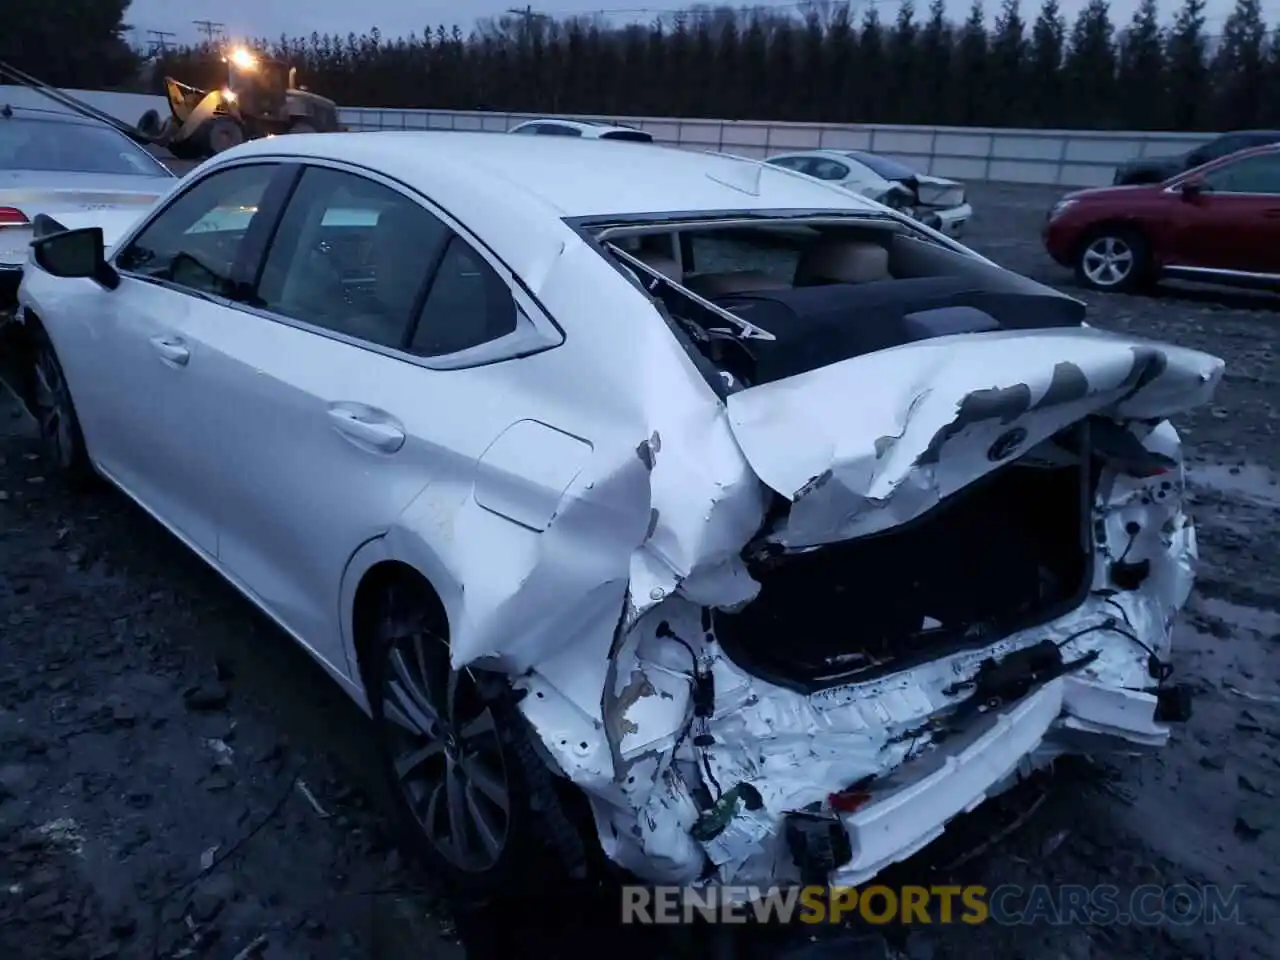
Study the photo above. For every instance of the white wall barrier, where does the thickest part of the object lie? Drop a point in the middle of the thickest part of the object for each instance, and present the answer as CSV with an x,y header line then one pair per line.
x,y
1066,158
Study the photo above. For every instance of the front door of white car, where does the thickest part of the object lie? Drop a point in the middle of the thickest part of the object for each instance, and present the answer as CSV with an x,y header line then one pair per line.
x,y
145,391
332,420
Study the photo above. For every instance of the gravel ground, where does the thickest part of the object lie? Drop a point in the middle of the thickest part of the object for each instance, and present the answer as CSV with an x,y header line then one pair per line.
x,y
176,776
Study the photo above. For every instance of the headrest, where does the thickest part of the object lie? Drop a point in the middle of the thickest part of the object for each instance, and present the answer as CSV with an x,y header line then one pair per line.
x,y
842,261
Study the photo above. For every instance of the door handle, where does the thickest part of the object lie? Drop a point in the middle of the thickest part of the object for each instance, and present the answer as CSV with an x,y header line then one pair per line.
x,y
172,350
367,427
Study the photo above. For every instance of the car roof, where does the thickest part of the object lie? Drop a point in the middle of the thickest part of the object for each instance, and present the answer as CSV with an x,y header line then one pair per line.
x,y
564,177
516,192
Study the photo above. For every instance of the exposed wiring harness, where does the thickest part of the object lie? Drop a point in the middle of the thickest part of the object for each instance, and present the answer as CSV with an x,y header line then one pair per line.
x,y
704,701
1157,668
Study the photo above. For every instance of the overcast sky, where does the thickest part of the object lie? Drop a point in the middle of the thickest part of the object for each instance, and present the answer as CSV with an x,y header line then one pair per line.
x,y
271,18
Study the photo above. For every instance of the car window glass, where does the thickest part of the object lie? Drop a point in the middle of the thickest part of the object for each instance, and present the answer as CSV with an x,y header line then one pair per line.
x,y
790,163
556,130
825,169
70,146
468,304
528,128
194,242
1220,148
725,252
352,256
1258,174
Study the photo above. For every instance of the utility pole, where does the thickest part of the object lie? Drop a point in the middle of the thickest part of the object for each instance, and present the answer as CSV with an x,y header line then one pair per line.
x,y
158,41
527,17
210,28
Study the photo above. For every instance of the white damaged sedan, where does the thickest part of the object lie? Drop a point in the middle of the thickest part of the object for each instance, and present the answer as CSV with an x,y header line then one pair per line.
x,y
669,504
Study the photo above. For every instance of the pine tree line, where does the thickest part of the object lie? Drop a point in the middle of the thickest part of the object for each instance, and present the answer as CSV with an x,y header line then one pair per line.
x,y
819,62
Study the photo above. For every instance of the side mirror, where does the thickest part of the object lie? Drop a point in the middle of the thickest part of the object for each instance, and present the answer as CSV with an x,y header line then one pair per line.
x,y
76,254
1191,190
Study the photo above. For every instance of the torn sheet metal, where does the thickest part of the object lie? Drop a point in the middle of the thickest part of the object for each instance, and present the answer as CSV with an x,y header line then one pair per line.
x,y
650,781
875,441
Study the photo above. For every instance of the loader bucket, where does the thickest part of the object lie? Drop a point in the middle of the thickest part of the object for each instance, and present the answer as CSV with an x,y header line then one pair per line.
x,y
182,99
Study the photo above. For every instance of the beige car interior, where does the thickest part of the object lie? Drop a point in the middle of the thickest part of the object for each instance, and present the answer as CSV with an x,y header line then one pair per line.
x,y
826,260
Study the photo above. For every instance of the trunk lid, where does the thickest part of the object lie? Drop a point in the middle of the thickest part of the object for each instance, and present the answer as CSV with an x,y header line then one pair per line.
x,y
872,442
86,198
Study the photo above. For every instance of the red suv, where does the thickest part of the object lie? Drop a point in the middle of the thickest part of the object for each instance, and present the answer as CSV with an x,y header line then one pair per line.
x,y
1219,223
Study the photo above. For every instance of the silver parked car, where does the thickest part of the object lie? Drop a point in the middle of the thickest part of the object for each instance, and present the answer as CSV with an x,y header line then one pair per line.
x,y
663,500
934,200
62,164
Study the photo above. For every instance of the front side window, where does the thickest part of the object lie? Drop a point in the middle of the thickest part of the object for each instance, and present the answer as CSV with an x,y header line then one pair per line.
x,y
558,130
62,146
351,255
527,129
196,239
1257,174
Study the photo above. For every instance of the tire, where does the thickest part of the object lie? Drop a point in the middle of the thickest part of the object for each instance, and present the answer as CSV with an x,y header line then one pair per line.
x,y
55,413
221,134
455,742
1113,259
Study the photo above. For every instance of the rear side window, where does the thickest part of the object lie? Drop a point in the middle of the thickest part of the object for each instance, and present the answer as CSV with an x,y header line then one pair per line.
x,y
557,130
825,169
467,305
635,136
351,255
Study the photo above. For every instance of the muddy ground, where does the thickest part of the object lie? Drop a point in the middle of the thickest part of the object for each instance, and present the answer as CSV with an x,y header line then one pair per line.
x,y
176,779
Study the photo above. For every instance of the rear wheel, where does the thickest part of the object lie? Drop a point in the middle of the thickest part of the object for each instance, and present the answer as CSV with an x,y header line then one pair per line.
x,y
456,753
1113,259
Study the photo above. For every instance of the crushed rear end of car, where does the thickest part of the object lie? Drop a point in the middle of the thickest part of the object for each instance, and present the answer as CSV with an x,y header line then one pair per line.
x,y
948,597
875,583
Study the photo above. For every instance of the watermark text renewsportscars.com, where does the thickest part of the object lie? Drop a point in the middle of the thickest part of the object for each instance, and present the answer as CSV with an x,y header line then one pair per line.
x,y
1102,905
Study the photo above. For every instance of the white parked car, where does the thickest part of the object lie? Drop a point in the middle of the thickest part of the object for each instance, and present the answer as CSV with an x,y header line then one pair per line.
x,y
58,163
583,129
774,528
938,201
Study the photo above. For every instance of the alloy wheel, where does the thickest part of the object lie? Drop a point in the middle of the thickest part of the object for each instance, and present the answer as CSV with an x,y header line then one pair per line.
x,y
1108,261
446,754
53,410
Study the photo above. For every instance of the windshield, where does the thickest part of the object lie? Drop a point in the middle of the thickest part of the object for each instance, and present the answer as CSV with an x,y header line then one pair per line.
x,y
883,166
72,147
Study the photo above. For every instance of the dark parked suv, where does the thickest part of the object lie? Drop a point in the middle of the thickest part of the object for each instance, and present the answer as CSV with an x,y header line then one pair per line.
x,y
1160,169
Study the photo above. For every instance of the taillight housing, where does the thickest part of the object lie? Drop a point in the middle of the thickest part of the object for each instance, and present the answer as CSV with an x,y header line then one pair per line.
x,y
13,217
